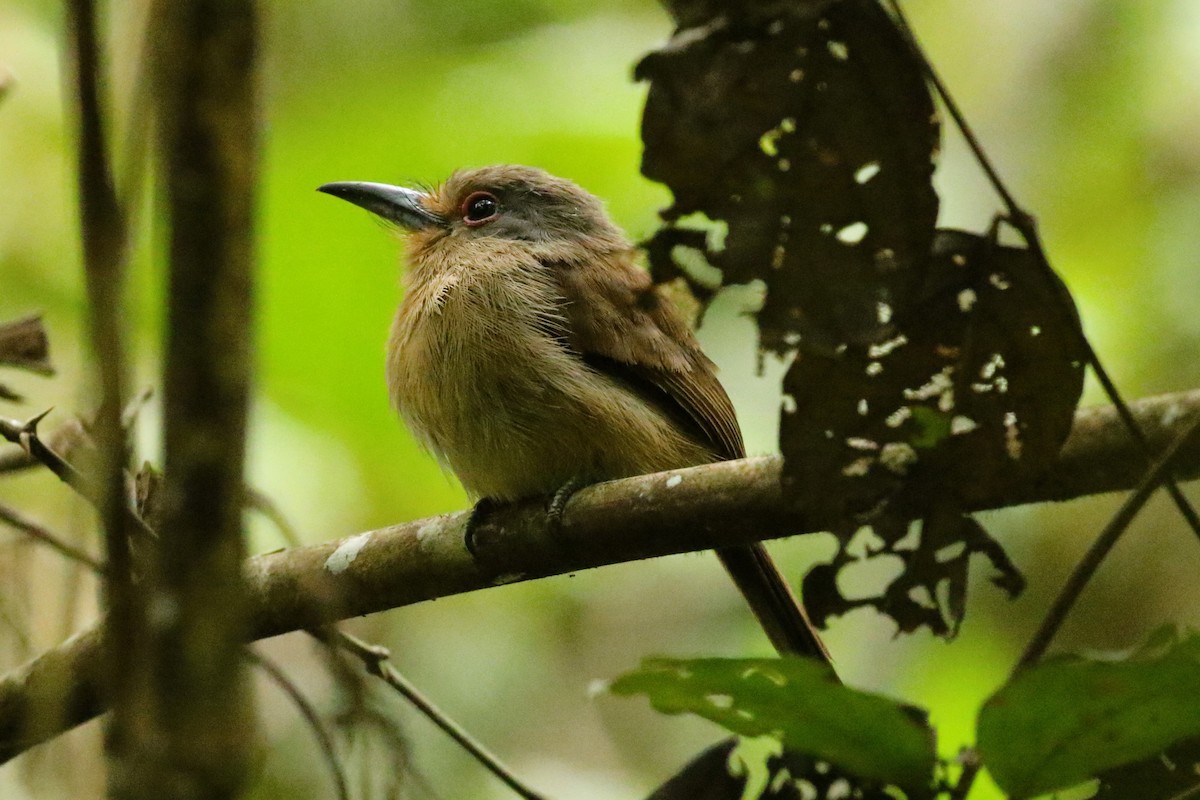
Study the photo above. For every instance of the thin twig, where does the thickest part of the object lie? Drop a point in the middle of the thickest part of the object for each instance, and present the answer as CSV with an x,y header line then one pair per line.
x,y
15,519
62,440
1091,560
956,114
132,409
311,717
1181,502
26,435
66,437
364,723
264,505
376,661
105,238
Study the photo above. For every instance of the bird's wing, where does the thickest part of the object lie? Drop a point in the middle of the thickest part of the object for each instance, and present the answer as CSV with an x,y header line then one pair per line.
x,y
627,330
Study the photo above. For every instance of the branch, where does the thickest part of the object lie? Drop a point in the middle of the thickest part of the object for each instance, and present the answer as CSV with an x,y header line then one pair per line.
x,y
204,59
70,440
733,502
62,440
14,519
25,435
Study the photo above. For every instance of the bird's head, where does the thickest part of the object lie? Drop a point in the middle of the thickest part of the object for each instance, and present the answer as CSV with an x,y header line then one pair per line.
x,y
551,217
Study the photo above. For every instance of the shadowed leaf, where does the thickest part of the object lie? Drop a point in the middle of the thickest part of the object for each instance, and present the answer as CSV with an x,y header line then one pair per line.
x,y
1169,775
739,768
23,344
799,702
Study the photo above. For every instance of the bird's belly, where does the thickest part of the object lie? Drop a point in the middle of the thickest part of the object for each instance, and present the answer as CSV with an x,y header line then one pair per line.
x,y
514,420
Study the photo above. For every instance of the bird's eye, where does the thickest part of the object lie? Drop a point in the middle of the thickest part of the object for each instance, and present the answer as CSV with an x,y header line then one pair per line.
x,y
479,208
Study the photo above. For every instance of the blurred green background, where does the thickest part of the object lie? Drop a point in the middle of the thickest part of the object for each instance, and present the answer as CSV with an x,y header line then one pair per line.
x,y
1091,109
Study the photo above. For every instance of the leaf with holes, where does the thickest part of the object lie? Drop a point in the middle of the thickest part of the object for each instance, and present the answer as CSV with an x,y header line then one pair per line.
x,y
817,134
974,394
801,703
1069,719
932,368
930,590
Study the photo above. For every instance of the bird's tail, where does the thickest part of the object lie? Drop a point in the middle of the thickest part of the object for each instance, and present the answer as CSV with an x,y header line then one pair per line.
x,y
771,599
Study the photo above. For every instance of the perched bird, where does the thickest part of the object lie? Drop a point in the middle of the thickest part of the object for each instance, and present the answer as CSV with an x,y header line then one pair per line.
x,y
530,352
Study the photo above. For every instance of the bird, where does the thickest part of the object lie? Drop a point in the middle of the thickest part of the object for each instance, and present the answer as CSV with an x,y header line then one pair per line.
x,y
531,354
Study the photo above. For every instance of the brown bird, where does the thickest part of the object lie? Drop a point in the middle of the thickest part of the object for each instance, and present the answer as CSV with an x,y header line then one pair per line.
x,y
530,353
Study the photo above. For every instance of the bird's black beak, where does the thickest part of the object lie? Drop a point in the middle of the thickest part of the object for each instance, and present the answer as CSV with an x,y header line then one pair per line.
x,y
404,207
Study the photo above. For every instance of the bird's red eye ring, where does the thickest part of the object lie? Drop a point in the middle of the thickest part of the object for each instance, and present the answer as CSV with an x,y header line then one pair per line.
x,y
479,208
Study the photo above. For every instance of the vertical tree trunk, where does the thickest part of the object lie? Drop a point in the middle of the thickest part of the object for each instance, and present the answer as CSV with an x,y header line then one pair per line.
x,y
193,739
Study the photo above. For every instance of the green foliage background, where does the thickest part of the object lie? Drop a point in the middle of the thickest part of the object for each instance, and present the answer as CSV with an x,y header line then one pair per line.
x,y
1092,109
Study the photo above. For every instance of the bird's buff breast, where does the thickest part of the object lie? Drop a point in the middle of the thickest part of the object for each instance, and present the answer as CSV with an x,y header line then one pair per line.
x,y
508,408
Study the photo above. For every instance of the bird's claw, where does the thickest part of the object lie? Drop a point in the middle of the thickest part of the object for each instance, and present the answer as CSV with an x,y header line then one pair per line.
x,y
483,507
558,504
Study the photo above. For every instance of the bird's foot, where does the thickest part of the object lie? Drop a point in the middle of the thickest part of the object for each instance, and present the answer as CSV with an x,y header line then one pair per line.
x,y
558,504
554,513
483,507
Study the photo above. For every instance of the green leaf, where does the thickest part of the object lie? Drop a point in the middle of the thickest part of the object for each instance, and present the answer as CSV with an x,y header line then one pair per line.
x,y
931,427
1066,720
799,702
